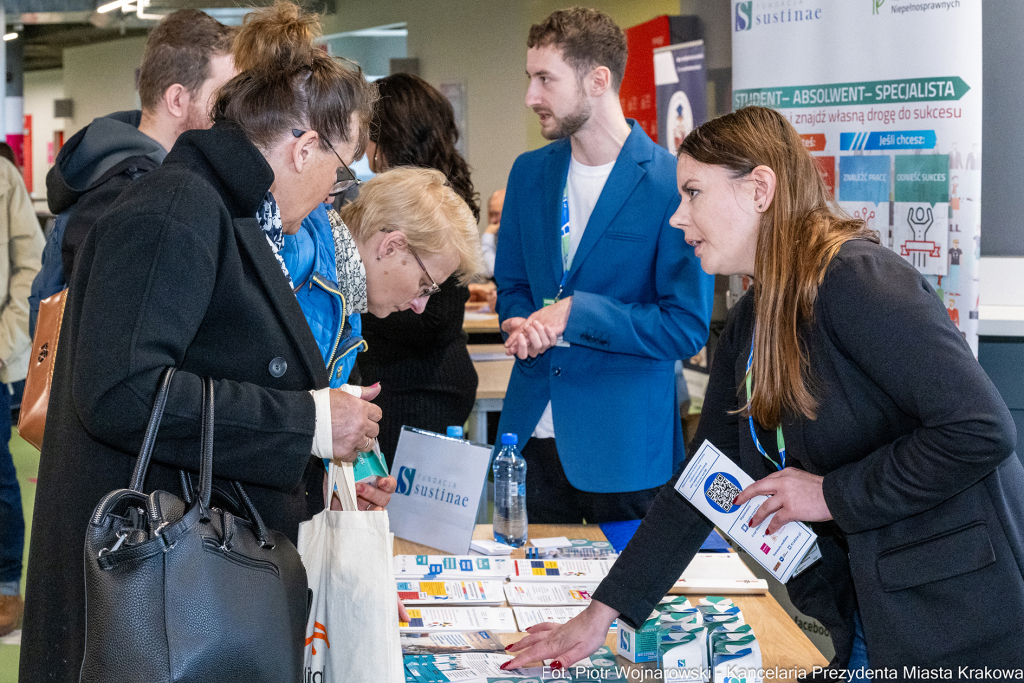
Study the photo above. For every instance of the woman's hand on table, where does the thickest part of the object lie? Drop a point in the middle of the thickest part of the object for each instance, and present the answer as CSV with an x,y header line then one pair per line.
x,y
353,422
795,495
567,643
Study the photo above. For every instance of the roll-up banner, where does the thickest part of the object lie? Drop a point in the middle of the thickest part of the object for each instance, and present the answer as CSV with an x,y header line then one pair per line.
x,y
681,83
887,96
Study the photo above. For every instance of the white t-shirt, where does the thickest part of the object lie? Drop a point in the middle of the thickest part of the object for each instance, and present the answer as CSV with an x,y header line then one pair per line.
x,y
585,186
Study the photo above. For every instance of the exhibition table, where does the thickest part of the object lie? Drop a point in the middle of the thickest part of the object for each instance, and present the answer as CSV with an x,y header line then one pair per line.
x,y
783,644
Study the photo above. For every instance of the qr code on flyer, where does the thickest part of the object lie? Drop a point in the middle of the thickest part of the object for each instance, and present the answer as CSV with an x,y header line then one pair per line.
x,y
722,492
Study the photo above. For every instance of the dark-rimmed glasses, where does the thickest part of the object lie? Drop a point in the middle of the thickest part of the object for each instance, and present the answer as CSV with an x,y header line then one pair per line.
x,y
434,287
346,179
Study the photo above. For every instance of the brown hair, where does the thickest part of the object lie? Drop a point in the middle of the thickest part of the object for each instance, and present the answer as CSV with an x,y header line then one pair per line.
x,y
414,125
420,203
798,236
268,35
290,83
587,38
178,51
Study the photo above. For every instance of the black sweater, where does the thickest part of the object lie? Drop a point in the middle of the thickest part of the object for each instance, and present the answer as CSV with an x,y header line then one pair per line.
x,y
913,442
427,378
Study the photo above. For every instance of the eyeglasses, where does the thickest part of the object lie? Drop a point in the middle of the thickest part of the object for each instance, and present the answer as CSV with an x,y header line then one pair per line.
x,y
434,288
346,179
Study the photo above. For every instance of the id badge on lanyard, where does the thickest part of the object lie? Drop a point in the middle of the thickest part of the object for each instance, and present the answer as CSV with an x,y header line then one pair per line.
x,y
564,243
780,442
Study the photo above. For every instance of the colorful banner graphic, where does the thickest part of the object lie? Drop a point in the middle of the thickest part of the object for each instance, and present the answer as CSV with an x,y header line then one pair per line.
x,y
900,112
680,79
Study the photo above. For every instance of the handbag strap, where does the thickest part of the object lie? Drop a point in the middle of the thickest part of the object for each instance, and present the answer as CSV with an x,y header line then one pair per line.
x,y
205,461
142,463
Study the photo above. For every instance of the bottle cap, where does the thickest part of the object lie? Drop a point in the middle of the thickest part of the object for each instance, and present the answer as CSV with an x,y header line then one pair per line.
x,y
455,432
509,439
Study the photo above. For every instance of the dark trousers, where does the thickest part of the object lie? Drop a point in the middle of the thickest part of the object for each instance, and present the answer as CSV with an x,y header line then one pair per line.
x,y
12,519
551,499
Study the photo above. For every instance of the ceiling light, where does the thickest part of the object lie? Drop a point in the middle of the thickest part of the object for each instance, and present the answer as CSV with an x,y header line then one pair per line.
x,y
110,6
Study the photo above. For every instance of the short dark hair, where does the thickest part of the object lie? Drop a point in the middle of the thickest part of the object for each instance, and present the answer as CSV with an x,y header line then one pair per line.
x,y
414,125
178,51
587,38
7,152
294,84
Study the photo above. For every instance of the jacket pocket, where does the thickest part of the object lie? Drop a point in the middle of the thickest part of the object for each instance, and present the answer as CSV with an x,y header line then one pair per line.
x,y
943,556
626,236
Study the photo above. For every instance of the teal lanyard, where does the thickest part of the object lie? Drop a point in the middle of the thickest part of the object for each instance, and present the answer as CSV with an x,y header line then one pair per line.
x,y
753,433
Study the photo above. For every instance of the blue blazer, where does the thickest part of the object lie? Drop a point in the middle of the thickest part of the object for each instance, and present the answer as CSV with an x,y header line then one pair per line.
x,y
640,302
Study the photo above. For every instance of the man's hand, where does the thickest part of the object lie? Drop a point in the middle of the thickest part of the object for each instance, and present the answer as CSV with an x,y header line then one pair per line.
x,y
370,498
353,422
794,495
540,331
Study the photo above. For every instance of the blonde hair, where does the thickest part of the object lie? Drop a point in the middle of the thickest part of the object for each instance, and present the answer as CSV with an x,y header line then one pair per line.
x,y
420,203
798,236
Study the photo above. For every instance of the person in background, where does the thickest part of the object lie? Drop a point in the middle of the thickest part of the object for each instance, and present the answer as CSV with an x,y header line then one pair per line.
x,y
20,249
486,291
842,388
201,288
186,60
597,294
489,238
419,357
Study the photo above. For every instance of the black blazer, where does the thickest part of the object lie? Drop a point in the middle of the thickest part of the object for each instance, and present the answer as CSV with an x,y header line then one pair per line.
x,y
916,449
179,273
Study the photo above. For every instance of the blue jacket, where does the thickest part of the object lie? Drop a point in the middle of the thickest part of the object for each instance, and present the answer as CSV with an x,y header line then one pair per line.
x,y
640,301
309,257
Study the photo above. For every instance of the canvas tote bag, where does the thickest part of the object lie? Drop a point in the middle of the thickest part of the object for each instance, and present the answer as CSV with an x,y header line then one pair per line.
x,y
352,631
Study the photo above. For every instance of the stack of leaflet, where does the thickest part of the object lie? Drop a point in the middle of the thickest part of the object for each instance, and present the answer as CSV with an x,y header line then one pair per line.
x,y
571,571
556,603
485,667
718,573
419,592
496,619
709,643
456,567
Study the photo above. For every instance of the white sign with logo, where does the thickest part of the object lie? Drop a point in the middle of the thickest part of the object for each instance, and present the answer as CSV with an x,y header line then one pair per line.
x,y
440,480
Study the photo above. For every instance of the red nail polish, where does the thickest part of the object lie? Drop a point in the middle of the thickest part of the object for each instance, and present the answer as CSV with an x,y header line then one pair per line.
x,y
751,522
505,665
508,647
555,665
735,499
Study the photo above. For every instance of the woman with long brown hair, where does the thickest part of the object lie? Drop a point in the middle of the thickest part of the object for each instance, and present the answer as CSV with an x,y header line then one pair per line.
x,y
841,386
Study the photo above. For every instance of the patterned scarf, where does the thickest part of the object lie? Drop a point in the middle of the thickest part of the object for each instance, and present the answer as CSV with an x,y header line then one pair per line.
x,y
269,217
351,271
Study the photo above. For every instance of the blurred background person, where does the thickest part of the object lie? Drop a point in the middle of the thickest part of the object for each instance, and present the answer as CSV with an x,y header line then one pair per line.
x,y
20,249
427,378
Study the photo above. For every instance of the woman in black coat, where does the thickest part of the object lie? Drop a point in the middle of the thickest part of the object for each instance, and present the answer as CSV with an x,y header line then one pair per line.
x,y
183,271
898,449
427,378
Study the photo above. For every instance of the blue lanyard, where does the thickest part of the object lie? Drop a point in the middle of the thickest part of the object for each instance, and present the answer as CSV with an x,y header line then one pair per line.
x,y
750,418
563,239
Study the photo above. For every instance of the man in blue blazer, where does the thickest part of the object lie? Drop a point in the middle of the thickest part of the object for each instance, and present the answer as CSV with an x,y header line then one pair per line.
x,y
597,294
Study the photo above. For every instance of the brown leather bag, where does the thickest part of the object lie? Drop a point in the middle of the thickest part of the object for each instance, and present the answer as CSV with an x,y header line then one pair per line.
x,y
32,419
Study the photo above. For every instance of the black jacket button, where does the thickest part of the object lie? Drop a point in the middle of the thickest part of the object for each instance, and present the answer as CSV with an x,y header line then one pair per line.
x,y
556,371
278,366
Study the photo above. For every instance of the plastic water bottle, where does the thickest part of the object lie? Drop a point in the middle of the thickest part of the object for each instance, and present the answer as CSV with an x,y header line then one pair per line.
x,y
455,432
510,494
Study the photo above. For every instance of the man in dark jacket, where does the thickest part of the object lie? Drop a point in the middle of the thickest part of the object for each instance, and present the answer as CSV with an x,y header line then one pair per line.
x,y
187,59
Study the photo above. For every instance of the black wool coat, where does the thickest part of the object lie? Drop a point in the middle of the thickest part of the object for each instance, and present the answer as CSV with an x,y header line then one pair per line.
x,y
916,449
180,273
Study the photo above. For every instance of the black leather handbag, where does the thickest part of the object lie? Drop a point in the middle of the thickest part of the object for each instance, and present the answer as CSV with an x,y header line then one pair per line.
x,y
181,590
